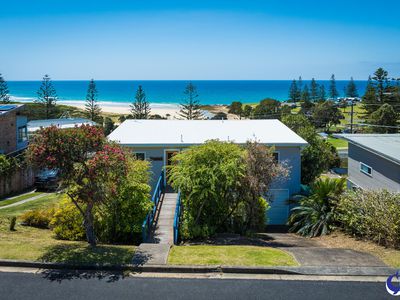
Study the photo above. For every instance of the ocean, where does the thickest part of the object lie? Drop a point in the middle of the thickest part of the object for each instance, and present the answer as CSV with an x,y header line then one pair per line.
x,y
170,91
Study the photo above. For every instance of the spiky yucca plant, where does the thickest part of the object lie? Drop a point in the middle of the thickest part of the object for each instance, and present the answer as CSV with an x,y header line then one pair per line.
x,y
315,214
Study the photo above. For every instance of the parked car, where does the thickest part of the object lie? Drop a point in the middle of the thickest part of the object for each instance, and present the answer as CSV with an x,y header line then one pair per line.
x,y
47,180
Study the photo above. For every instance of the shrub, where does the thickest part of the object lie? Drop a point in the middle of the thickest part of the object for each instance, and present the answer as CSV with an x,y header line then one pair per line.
x,y
221,184
67,222
374,215
38,218
316,213
120,219
208,178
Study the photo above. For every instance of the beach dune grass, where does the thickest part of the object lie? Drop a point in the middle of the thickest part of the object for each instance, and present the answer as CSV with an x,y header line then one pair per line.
x,y
230,256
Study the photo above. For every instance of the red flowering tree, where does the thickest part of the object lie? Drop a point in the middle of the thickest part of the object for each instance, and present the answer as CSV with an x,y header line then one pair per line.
x,y
90,167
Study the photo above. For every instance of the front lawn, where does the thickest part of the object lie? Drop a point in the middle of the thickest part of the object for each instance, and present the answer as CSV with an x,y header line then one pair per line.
x,y
338,143
230,256
12,200
43,202
28,243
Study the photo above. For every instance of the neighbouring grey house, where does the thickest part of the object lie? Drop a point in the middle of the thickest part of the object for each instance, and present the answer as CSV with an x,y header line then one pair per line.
x,y
158,140
373,161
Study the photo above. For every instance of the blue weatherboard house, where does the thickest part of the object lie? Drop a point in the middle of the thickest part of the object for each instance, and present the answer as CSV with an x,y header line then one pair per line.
x,y
159,140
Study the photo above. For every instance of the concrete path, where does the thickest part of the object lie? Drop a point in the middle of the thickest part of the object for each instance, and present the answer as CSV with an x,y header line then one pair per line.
x,y
24,201
155,251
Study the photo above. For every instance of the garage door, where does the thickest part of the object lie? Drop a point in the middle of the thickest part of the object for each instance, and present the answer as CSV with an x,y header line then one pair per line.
x,y
279,211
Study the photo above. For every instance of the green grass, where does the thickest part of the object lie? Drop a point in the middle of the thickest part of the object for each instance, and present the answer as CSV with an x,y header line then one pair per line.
x,y
18,198
230,256
43,202
28,243
338,143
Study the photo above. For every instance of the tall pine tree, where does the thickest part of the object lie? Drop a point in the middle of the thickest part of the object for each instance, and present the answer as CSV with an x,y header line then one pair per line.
x,y
314,90
190,107
47,96
140,108
322,93
369,100
333,92
300,86
4,97
92,108
351,89
294,92
381,83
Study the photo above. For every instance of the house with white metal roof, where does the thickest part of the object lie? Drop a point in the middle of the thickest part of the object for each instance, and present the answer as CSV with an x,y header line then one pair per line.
x,y
158,140
62,123
373,161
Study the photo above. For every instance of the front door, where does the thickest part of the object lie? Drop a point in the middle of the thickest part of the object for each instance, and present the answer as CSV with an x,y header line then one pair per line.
x,y
168,162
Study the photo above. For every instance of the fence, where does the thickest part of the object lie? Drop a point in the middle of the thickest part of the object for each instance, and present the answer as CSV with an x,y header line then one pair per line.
x,y
158,191
20,180
177,218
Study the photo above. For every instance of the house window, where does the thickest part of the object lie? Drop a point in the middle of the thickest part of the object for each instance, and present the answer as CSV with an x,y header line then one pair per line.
x,y
22,134
139,155
365,169
276,156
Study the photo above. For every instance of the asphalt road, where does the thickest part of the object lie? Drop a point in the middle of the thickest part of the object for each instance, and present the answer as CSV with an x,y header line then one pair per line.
x,y
89,286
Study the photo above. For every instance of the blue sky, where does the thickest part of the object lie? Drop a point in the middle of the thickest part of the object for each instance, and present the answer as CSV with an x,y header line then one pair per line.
x,y
198,39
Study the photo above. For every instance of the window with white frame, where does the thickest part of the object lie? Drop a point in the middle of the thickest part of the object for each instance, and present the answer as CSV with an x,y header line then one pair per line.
x,y
365,169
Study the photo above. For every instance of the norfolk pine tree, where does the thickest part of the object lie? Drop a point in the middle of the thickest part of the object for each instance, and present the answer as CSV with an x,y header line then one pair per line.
x,y
140,108
190,108
314,91
294,94
47,95
4,97
333,92
92,109
351,89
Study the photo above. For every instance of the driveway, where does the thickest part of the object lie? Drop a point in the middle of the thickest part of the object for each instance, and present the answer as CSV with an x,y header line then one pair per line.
x,y
309,252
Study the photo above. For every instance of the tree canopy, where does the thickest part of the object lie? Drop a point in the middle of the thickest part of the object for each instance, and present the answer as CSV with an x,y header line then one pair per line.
x,y
326,114
267,109
318,156
47,96
190,108
92,108
92,170
4,92
221,185
140,108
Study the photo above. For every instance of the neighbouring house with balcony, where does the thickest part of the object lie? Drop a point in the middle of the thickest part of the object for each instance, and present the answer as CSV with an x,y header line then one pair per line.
x,y
13,141
374,161
159,140
13,128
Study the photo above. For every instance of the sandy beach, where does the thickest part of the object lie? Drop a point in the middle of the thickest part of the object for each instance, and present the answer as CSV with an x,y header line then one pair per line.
x,y
164,110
